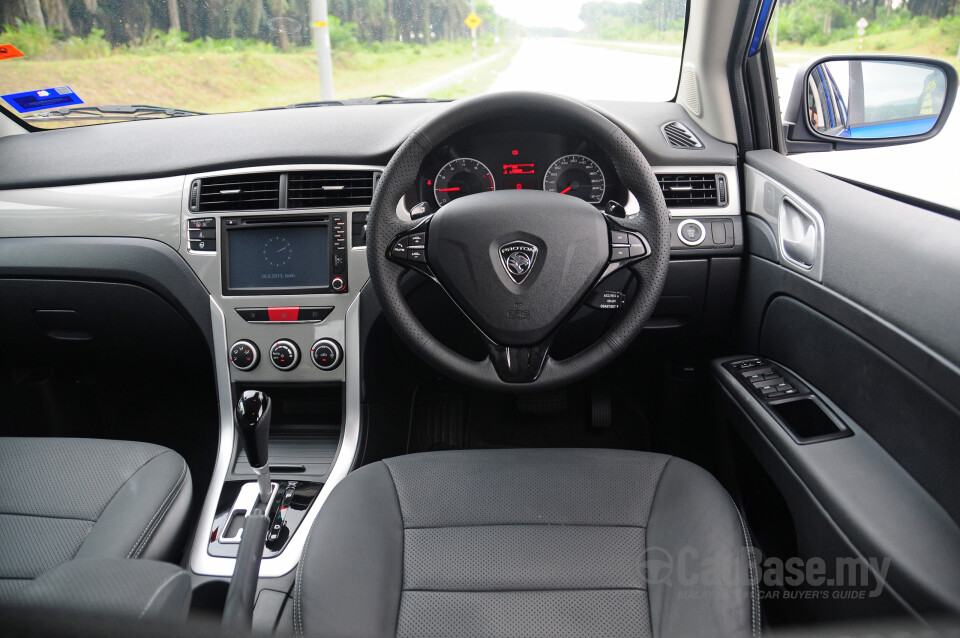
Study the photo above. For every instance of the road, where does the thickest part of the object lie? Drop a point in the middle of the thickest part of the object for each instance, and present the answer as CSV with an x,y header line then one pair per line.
x,y
926,170
589,72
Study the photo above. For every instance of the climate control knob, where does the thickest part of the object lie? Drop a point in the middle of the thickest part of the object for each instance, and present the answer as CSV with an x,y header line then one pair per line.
x,y
326,354
244,355
284,355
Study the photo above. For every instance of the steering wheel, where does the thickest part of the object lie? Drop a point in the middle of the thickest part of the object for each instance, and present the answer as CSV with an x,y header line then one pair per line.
x,y
518,263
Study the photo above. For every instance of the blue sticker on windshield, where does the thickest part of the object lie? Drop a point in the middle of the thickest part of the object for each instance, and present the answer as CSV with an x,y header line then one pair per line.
x,y
44,99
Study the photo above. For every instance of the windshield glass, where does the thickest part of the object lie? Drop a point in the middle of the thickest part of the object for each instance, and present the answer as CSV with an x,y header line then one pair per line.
x,y
73,62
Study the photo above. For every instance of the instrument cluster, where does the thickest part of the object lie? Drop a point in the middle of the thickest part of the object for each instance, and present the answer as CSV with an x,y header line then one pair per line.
x,y
477,162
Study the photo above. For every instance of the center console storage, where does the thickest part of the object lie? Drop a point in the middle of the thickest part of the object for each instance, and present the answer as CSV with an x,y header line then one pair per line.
x,y
304,431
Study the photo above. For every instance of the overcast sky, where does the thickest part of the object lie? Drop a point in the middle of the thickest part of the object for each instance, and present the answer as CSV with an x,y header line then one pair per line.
x,y
543,13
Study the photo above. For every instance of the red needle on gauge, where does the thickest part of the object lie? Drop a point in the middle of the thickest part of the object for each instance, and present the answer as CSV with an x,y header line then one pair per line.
x,y
447,190
566,190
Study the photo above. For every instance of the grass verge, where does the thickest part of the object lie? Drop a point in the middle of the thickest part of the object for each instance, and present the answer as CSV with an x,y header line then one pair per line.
x,y
226,82
479,80
929,41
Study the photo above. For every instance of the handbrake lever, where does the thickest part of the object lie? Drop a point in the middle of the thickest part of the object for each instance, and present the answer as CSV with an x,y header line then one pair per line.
x,y
241,596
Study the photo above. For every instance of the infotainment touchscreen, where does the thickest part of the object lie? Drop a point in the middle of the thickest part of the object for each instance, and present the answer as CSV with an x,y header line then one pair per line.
x,y
287,256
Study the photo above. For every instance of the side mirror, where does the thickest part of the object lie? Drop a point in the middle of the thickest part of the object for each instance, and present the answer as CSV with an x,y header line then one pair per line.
x,y
842,102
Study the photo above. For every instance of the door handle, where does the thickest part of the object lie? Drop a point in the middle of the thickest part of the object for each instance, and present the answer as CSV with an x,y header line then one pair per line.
x,y
799,240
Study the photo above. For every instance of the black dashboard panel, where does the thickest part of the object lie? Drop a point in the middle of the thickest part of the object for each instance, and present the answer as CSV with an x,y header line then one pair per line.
x,y
345,134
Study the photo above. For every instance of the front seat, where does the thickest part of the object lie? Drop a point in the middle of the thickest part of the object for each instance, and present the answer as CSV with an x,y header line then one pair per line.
x,y
62,499
528,543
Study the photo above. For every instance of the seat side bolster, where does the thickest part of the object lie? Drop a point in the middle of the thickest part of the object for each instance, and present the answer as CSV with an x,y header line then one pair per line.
x,y
352,566
111,587
145,518
698,559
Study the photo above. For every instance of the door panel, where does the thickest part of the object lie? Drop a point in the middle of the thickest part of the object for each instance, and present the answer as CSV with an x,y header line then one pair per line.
x,y
898,261
869,317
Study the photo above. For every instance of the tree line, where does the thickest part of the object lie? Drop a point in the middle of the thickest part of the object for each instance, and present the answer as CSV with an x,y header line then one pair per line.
x,y
632,20
284,23
820,22
874,10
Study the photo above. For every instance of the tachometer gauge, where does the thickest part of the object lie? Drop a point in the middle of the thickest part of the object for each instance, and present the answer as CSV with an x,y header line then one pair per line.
x,y
576,175
461,177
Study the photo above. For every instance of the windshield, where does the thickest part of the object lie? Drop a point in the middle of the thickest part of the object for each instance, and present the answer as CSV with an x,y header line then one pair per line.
x,y
72,62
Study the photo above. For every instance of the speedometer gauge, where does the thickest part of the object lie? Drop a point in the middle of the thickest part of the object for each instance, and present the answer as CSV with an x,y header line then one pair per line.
x,y
576,175
461,177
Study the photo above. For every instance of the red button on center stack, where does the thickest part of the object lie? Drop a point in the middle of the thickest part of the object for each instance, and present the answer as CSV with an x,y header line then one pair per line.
x,y
288,313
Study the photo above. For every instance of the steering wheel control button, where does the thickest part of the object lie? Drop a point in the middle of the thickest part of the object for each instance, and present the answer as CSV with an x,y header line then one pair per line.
x,y
691,232
617,237
418,240
244,355
284,355
626,245
314,313
253,315
326,354
606,299
399,250
410,248
637,246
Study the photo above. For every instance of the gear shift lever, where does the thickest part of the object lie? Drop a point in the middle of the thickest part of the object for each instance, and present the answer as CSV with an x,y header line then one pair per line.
x,y
253,424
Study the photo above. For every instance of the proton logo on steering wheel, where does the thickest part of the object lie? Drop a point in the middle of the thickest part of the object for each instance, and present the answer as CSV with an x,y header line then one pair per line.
x,y
518,258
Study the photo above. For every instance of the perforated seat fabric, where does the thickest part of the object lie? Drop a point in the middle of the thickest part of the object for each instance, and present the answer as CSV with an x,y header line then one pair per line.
x,y
527,543
83,498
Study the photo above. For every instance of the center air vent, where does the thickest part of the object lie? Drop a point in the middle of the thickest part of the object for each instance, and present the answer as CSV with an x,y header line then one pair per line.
x,y
318,189
679,136
693,190
247,191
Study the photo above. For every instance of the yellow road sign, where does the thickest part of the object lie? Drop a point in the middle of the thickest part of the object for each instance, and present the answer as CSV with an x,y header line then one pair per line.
x,y
473,21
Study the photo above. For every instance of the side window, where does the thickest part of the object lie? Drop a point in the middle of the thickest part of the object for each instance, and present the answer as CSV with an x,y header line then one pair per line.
x,y
802,30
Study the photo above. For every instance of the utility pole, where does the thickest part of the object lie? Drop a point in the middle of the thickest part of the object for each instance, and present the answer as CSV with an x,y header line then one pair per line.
x,y
321,35
473,31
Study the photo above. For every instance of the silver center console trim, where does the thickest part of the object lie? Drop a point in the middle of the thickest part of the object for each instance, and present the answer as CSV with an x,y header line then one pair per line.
x,y
247,499
203,563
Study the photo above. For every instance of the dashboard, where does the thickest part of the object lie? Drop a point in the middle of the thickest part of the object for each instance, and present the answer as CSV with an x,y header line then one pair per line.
x,y
478,161
175,206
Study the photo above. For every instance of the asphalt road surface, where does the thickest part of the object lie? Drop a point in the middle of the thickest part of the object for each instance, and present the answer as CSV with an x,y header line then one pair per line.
x,y
926,170
589,72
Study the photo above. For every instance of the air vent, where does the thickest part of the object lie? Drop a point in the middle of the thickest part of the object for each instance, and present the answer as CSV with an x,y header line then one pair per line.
x,y
694,191
679,136
319,189
247,191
